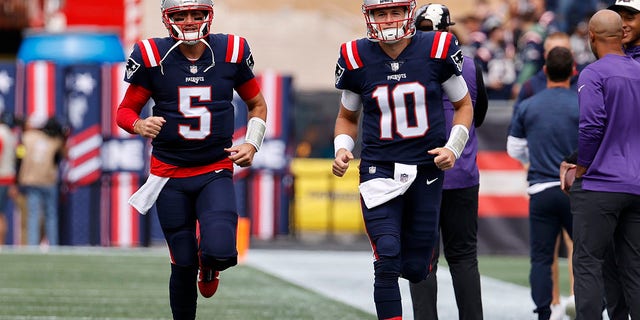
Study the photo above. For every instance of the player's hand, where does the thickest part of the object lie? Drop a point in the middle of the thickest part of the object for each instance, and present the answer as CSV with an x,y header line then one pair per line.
x,y
242,154
341,163
580,171
564,167
149,127
445,159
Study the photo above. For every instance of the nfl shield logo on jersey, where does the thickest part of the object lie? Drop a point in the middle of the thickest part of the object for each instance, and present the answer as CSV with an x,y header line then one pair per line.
x,y
193,69
395,66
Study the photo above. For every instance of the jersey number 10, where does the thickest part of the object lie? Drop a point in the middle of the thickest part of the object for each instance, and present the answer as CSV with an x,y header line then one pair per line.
x,y
383,96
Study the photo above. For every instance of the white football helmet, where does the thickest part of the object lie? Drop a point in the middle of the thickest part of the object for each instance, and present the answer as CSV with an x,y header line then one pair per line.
x,y
438,14
177,28
404,28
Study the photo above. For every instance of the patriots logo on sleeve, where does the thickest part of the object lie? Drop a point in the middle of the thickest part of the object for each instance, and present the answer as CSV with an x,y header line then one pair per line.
x,y
339,72
131,68
250,62
458,59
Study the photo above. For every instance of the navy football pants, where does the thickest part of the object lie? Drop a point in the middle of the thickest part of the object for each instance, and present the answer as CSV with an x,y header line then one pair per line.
x,y
209,199
403,233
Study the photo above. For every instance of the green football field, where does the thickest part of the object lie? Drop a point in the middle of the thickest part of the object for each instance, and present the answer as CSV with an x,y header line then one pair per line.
x,y
96,283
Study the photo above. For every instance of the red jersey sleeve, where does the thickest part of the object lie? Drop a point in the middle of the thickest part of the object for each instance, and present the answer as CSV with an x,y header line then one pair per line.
x,y
129,110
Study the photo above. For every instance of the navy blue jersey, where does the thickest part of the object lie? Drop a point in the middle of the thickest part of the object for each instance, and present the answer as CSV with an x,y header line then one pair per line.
x,y
403,115
193,97
548,121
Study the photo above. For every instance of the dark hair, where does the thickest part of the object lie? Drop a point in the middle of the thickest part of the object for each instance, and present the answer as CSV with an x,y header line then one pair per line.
x,y
559,64
53,128
8,118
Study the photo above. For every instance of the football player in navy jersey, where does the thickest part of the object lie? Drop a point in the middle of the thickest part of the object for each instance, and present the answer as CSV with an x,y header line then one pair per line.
x,y
396,79
191,76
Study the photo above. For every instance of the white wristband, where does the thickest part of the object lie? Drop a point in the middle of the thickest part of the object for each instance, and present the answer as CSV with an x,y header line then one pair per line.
x,y
343,141
457,139
255,132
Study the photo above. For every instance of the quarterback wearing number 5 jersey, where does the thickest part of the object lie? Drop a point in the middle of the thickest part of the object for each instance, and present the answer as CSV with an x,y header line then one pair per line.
x,y
193,97
396,79
191,76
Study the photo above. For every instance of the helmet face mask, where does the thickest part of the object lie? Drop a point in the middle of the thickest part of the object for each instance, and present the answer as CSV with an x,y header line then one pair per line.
x,y
174,13
389,31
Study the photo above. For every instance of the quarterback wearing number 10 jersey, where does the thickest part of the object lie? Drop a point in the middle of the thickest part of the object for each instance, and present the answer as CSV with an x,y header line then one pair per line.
x,y
403,116
397,84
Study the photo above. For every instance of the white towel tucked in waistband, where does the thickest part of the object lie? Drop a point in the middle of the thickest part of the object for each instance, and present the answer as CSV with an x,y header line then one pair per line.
x,y
380,190
146,196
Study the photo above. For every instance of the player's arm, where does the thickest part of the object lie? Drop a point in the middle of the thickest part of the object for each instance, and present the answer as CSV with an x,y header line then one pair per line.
x,y
518,149
456,90
346,131
517,144
592,121
127,115
137,95
243,154
568,163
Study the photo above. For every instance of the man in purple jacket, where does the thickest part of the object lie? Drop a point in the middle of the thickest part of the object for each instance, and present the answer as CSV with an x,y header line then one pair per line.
x,y
605,198
459,206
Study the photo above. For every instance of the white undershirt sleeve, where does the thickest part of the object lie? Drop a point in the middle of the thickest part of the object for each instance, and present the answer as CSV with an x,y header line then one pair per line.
x,y
351,100
518,149
455,88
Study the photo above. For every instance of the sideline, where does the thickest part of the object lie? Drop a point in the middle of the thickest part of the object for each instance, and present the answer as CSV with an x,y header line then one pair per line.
x,y
347,276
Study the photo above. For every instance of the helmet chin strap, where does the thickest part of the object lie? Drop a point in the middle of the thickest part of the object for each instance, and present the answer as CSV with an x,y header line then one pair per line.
x,y
179,42
175,45
213,62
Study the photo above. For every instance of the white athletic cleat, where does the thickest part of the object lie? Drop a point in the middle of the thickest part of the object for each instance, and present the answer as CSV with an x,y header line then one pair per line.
x,y
570,307
557,312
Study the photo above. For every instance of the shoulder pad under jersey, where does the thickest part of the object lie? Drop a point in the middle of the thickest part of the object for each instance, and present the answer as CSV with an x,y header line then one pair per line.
x,y
236,47
149,51
349,52
440,45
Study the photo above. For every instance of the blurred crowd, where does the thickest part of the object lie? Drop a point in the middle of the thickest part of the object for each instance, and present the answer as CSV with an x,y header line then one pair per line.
x,y
31,153
507,39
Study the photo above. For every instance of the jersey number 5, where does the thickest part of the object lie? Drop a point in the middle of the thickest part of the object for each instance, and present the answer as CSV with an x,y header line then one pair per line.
x,y
398,93
185,96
